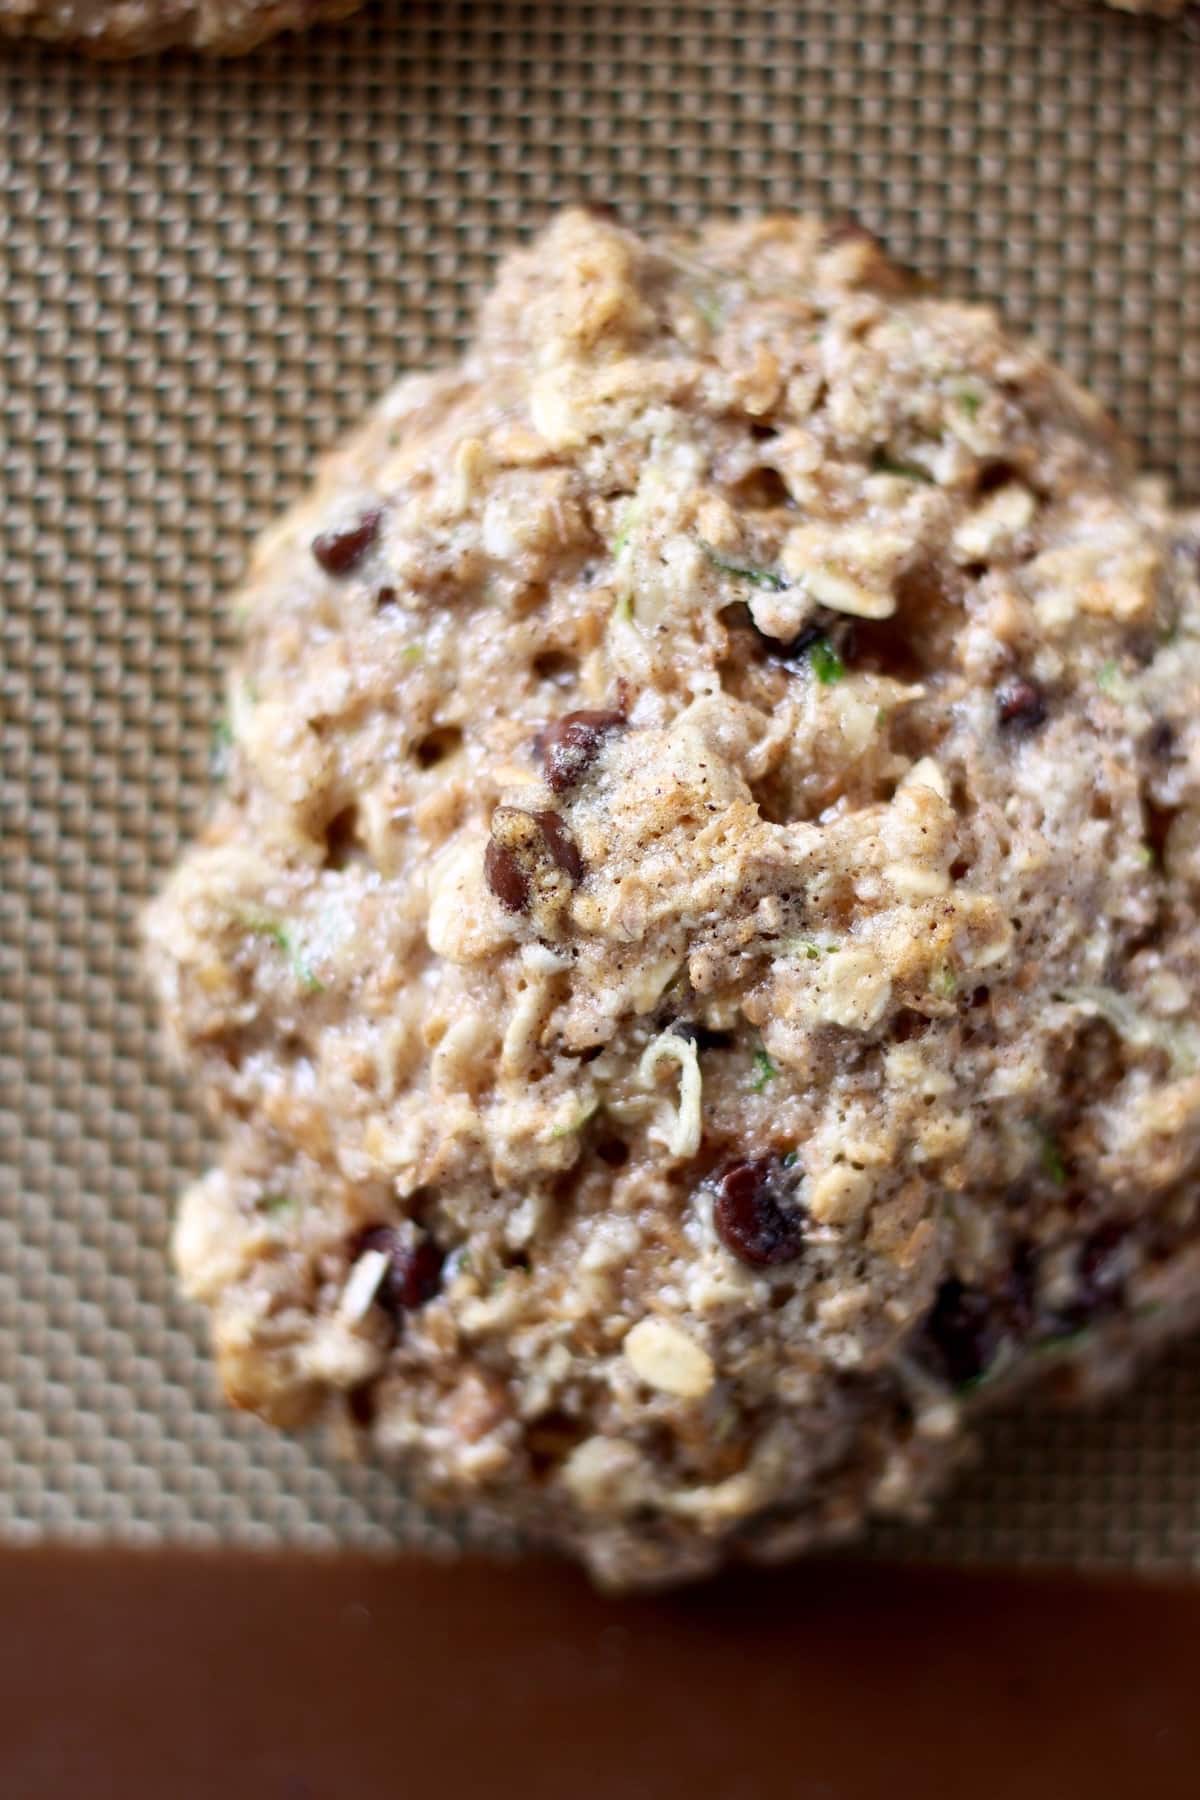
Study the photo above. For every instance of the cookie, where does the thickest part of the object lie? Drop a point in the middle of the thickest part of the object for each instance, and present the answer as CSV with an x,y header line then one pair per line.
x,y
694,965
132,27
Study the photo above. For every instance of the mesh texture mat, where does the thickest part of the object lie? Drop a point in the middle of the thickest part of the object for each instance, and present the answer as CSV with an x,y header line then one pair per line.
x,y
206,273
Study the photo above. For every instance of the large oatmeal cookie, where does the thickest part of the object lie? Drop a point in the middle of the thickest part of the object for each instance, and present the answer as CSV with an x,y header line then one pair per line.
x,y
694,967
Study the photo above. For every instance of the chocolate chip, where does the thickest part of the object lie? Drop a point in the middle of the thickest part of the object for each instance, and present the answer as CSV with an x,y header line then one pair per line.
x,y
561,845
414,1271
572,743
505,876
751,1217
962,1331
385,597
1020,704
703,1036
341,550
521,847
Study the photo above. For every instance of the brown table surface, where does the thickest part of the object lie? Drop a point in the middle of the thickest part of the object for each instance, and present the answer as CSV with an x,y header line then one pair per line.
x,y
193,1674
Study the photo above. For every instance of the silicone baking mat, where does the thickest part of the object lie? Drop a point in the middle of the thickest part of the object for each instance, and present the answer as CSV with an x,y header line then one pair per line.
x,y
206,272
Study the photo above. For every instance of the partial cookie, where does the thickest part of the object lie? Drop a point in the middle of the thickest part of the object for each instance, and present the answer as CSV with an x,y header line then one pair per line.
x,y
1164,9
695,964
132,27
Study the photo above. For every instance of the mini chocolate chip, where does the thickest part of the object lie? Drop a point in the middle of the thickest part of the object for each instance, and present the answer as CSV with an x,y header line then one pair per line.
x,y
613,1151
962,1331
1020,704
341,550
505,876
414,1271
750,1219
571,744
561,845
703,1036
385,597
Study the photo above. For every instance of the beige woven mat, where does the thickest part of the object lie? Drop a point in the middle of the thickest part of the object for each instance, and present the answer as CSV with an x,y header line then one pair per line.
x,y
206,272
